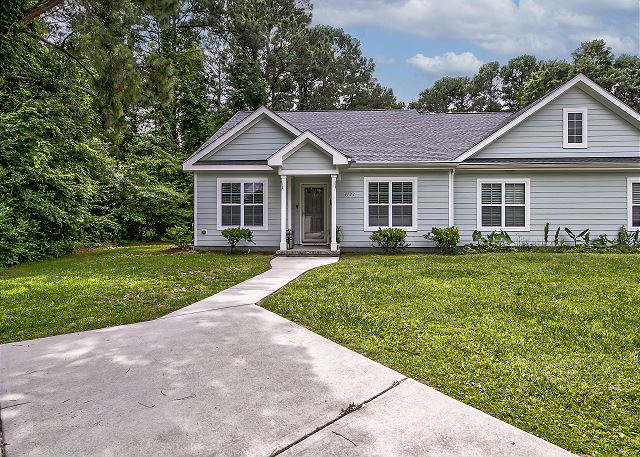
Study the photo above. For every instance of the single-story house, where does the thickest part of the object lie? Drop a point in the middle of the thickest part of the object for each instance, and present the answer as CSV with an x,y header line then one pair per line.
x,y
572,159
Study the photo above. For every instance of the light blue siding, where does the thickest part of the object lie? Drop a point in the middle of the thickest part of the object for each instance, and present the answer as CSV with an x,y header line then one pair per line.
x,y
578,200
308,157
206,189
258,142
433,205
541,135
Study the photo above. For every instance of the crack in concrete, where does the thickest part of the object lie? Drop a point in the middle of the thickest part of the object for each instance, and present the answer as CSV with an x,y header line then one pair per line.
x,y
3,443
344,412
205,311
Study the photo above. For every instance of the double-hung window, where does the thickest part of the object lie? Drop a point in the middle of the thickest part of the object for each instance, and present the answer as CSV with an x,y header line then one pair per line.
x,y
633,199
503,204
242,203
574,125
390,202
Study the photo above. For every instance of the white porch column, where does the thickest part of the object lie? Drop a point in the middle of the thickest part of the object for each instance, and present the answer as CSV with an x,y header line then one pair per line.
x,y
334,244
283,212
452,174
289,202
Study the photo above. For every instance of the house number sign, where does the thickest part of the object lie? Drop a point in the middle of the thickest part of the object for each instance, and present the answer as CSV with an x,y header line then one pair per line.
x,y
349,194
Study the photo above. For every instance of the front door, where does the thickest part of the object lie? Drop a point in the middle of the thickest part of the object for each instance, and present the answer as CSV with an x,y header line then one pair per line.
x,y
314,214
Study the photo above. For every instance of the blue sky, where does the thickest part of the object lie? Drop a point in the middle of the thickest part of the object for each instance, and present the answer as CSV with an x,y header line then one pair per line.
x,y
414,42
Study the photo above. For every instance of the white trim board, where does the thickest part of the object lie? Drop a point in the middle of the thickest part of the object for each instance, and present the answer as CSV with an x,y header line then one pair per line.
x,y
503,181
580,81
414,202
307,137
565,128
324,209
236,130
630,205
242,181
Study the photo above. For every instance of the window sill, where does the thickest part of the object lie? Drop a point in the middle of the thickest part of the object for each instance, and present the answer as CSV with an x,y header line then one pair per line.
x,y
574,146
504,229
375,229
255,229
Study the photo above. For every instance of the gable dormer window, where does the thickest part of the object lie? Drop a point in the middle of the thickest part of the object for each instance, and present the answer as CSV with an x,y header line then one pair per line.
x,y
574,128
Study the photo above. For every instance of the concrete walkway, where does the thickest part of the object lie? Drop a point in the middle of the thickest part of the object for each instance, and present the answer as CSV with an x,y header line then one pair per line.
x,y
226,377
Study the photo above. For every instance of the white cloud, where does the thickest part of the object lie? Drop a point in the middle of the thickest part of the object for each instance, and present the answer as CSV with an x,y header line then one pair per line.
x,y
449,63
546,28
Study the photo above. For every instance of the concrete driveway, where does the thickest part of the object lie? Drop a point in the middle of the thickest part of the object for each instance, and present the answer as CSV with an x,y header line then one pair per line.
x,y
226,377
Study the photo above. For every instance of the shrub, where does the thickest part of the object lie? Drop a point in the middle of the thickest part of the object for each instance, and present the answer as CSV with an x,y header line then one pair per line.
x,y
103,228
446,238
179,235
236,234
392,240
493,242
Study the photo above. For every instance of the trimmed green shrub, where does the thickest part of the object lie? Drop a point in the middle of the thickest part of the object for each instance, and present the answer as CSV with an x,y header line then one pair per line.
x,y
236,234
179,235
446,238
392,240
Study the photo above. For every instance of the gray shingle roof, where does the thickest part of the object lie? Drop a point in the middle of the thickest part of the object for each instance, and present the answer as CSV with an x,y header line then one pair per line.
x,y
390,135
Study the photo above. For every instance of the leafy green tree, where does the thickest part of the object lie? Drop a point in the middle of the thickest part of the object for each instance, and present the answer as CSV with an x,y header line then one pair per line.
x,y
546,76
50,159
625,75
446,95
485,88
514,75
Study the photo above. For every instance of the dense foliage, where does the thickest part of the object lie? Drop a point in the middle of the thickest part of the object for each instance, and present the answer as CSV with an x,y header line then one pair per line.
x,y
391,240
446,238
101,102
524,79
236,234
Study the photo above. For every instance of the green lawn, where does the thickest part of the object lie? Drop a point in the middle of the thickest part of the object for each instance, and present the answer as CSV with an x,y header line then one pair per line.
x,y
112,286
547,342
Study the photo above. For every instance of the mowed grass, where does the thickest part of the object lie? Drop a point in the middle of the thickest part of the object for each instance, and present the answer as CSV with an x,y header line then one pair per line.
x,y
547,342
112,286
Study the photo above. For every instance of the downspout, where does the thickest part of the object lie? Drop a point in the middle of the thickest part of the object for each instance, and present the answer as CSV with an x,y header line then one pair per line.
x,y
452,174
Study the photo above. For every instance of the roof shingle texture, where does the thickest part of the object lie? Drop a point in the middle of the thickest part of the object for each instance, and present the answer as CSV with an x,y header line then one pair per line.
x,y
390,135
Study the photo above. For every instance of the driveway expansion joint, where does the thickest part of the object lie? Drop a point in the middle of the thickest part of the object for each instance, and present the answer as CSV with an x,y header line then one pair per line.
x,y
222,308
353,407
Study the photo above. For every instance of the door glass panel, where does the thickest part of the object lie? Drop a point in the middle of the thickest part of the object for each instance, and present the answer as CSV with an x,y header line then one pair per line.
x,y
313,215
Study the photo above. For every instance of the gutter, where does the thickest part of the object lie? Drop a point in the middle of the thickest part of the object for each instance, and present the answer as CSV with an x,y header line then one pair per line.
x,y
402,165
549,166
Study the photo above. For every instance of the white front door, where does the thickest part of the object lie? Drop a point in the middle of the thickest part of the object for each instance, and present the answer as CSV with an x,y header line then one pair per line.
x,y
313,214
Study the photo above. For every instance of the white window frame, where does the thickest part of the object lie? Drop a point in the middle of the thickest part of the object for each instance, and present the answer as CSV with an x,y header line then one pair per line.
x,y
630,205
527,204
242,181
414,203
565,128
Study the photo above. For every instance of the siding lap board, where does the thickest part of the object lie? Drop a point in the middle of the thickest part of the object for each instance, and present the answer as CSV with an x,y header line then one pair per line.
x,y
308,157
258,142
207,205
578,200
540,136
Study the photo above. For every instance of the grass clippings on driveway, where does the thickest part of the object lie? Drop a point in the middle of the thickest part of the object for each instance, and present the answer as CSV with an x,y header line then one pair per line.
x,y
547,342
112,286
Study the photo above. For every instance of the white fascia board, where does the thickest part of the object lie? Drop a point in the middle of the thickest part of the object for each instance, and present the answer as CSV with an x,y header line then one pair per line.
x,y
584,83
237,129
548,167
307,136
403,165
238,167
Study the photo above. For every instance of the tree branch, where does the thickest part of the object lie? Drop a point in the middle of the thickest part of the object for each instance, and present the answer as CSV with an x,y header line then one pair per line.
x,y
39,10
64,51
